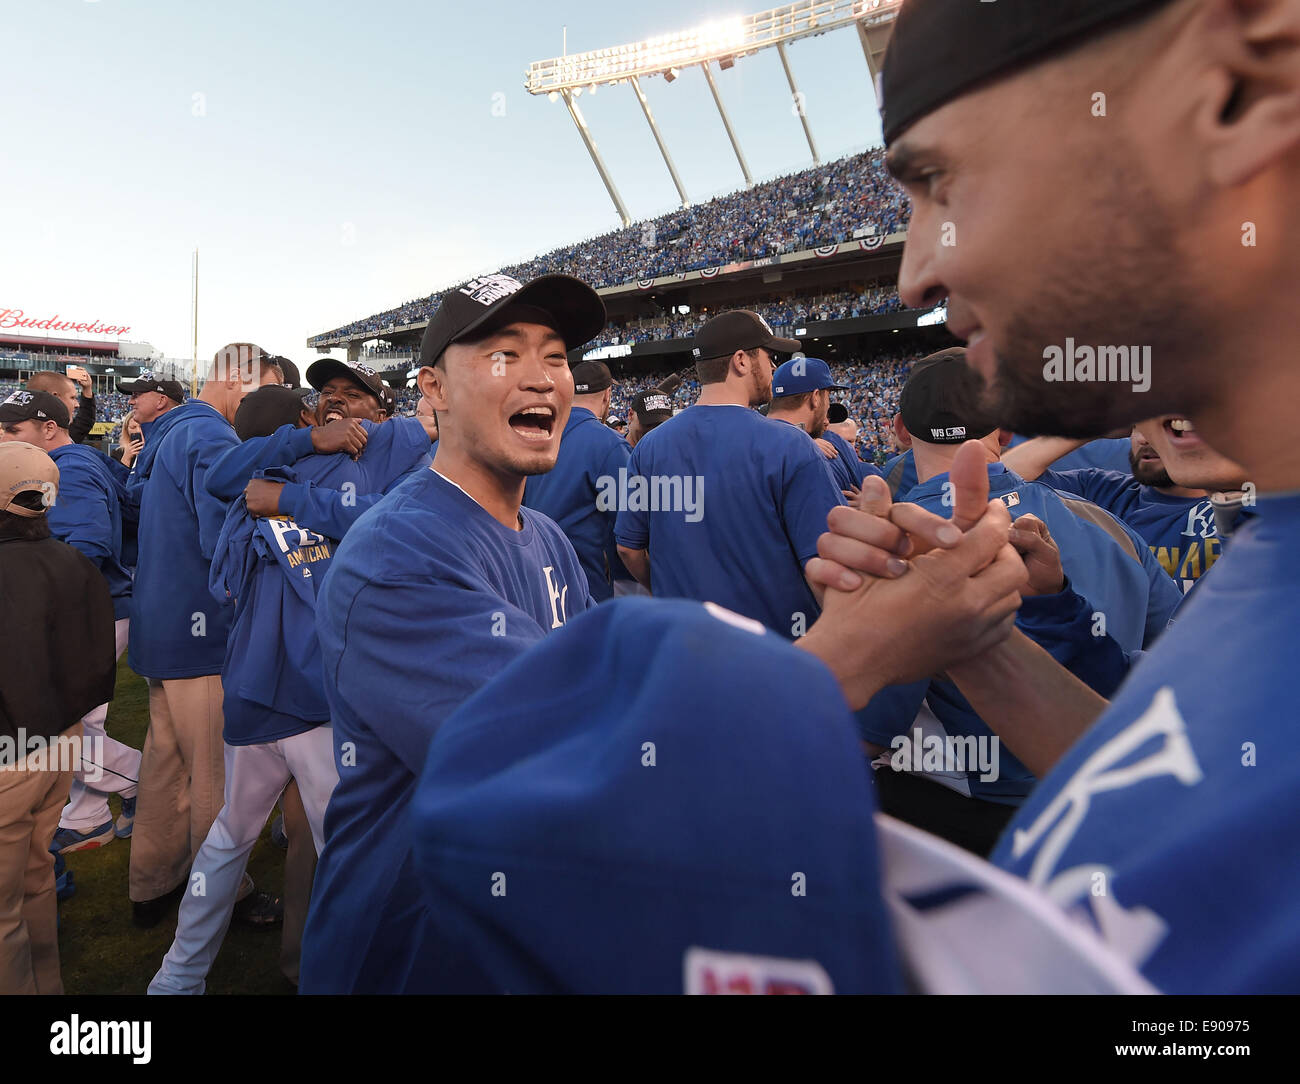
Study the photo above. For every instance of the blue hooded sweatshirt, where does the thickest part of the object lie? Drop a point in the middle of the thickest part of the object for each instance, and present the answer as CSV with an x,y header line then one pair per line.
x,y
87,514
177,629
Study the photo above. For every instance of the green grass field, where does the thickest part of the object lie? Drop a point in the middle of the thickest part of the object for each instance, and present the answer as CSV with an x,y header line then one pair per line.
x,y
102,952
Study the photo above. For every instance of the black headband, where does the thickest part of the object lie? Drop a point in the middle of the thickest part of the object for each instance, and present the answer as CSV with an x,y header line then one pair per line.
x,y
939,49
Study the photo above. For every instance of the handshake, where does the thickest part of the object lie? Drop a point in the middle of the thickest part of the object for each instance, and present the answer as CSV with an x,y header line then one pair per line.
x,y
907,594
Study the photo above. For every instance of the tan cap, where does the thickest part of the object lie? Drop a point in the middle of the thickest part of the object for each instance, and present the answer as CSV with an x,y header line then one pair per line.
x,y
26,469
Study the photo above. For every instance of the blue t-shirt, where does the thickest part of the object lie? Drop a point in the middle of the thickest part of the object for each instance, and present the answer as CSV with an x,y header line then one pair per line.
x,y
427,599
900,474
272,568
846,468
87,514
178,630
1125,586
747,498
1180,530
575,495
1171,826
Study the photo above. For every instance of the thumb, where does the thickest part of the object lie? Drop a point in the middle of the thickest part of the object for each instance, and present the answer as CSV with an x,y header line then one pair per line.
x,y
969,475
875,497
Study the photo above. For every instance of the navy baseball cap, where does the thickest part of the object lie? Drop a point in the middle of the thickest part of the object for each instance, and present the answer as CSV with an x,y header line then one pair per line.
x,y
740,329
590,377
263,411
34,406
940,402
321,372
146,381
800,375
655,824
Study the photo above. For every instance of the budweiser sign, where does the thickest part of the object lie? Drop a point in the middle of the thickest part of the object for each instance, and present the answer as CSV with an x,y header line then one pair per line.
x,y
17,319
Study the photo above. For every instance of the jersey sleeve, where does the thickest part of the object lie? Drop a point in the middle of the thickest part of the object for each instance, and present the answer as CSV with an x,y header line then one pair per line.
x,y
1062,625
806,500
890,712
1107,489
205,448
632,528
617,458
394,447
233,469
330,512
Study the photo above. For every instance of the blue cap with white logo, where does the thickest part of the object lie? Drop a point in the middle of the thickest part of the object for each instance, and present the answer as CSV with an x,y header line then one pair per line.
x,y
799,375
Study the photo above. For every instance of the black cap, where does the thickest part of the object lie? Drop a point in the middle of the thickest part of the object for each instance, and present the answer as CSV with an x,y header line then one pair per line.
x,y
652,407
940,403
146,381
263,411
34,406
940,49
590,377
615,421
737,330
836,413
572,307
292,377
320,373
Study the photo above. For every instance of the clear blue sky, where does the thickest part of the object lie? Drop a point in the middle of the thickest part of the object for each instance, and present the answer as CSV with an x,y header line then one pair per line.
x,y
333,159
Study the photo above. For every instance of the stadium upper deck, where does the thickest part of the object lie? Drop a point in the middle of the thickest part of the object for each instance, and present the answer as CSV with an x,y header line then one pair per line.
x,y
805,213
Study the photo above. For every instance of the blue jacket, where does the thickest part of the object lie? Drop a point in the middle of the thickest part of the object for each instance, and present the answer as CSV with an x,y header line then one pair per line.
x,y
589,451
177,629
87,514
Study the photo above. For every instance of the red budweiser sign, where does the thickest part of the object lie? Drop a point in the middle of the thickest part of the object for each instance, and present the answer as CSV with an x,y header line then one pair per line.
x,y
16,318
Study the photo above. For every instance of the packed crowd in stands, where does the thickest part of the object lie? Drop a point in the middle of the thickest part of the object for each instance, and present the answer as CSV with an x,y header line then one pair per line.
x,y
785,311
819,206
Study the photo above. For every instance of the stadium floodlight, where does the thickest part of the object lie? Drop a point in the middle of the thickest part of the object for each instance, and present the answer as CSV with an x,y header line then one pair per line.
x,y
721,42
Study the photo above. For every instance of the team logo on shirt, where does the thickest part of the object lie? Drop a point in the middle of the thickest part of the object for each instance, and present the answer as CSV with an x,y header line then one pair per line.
x,y
1133,931
559,596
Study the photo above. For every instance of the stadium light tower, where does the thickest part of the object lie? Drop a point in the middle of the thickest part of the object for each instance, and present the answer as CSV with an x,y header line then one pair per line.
x,y
722,43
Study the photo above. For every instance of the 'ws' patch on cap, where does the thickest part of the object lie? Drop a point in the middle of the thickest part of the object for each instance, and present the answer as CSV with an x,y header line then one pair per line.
x,y
707,972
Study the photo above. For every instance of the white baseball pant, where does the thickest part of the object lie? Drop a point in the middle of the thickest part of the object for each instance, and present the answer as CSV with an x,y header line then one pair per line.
x,y
109,767
255,777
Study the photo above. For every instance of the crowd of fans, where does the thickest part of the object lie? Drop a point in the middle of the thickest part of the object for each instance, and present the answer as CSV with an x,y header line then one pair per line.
x,y
872,397
820,206
785,311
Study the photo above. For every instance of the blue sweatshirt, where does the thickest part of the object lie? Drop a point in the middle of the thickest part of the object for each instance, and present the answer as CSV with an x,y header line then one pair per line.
x,y
401,440
1180,531
1170,827
847,467
759,496
272,569
428,598
591,455
87,514
177,629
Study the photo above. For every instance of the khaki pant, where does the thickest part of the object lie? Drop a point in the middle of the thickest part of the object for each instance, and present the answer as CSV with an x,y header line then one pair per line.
x,y
30,802
182,782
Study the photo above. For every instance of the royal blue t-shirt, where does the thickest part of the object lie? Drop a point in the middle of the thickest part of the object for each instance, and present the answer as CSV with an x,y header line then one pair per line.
x,y
87,514
178,630
900,474
1171,826
575,495
428,597
846,468
1180,530
759,496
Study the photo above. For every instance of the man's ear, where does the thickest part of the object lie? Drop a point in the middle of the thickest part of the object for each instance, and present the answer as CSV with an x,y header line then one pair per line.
x,y
901,434
430,382
1251,117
